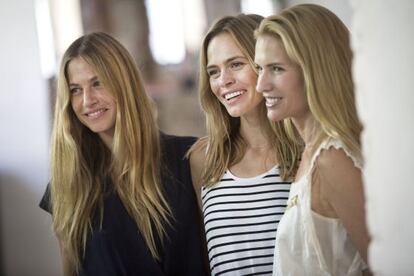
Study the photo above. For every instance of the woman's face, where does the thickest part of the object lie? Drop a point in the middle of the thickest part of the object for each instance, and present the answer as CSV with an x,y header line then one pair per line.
x,y
280,80
93,104
232,78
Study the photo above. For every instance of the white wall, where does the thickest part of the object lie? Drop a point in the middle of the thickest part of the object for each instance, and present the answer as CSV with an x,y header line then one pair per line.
x,y
383,42
27,245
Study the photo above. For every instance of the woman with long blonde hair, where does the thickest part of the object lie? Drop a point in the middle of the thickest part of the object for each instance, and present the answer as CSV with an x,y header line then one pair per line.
x,y
303,57
236,168
119,194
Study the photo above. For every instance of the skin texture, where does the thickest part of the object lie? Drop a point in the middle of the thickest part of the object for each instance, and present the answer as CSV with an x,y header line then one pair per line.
x,y
337,190
280,80
230,71
92,103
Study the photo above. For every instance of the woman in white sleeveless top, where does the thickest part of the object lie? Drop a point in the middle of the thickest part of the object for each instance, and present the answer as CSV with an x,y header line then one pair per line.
x,y
236,167
304,58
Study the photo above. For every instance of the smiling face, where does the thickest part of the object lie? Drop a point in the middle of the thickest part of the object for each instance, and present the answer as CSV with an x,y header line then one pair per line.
x,y
280,80
93,104
232,78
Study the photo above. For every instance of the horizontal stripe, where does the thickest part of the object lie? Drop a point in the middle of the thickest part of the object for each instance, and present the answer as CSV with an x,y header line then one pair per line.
x,y
247,201
243,267
242,259
240,218
242,233
240,251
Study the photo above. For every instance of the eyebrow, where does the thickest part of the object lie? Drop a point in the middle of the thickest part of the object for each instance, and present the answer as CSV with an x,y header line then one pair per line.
x,y
227,61
94,78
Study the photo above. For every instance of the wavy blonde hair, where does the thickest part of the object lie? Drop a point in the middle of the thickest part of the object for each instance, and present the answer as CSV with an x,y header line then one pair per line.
x,y
81,163
318,41
225,146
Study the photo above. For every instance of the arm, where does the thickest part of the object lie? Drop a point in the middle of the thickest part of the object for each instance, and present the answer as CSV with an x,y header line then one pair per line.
x,y
341,185
67,268
197,159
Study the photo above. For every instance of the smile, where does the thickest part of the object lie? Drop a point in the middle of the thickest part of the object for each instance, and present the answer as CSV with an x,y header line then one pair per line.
x,y
232,95
96,113
272,101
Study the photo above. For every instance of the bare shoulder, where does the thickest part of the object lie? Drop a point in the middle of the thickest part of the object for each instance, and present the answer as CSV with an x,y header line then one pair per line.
x,y
337,168
342,186
197,156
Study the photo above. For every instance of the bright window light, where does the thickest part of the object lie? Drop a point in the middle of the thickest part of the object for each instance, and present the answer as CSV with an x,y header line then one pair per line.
x,y
261,7
166,31
45,38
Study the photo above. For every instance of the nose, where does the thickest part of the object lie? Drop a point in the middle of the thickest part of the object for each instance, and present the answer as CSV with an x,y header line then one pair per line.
x,y
226,78
263,83
89,97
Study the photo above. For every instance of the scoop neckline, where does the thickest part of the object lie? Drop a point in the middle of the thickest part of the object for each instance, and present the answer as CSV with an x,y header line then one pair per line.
x,y
253,177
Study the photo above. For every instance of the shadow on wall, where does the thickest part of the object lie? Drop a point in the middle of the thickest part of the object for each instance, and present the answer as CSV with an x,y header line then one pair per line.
x,y
27,243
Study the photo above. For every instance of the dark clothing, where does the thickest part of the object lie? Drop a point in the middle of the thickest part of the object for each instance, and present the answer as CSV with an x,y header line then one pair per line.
x,y
119,249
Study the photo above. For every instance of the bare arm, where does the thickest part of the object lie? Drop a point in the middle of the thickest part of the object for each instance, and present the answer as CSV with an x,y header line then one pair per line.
x,y
197,159
342,187
67,268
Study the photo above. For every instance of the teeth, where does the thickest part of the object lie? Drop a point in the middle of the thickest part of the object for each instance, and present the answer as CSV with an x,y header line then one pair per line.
x,y
228,96
271,101
96,113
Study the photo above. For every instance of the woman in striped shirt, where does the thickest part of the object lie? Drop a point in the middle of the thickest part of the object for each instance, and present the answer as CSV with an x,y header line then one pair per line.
x,y
242,190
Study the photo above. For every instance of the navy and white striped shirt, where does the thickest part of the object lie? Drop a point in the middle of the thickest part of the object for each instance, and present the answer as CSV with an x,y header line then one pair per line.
x,y
241,217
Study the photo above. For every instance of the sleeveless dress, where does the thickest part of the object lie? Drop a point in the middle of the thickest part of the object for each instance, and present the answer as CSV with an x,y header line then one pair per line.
x,y
308,243
241,216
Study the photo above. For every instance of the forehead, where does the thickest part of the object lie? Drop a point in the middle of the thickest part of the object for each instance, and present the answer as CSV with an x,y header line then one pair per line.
x,y
269,47
221,48
79,70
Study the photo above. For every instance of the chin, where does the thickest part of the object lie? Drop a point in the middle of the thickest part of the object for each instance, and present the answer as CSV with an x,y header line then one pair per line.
x,y
274,116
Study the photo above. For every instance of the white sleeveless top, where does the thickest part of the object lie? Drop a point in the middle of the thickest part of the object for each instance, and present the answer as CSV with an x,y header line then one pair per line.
x,y
241,217
308,243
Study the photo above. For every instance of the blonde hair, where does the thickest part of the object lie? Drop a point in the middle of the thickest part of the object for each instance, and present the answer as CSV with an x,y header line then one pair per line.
x,y
81,163
318,41
224,144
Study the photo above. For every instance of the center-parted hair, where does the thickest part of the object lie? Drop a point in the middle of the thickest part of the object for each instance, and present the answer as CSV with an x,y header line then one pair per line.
x,y
81,164
224,144
318,41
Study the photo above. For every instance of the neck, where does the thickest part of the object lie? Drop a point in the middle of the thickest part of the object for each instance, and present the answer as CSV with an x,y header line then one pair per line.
x,y
307,128
107,139
252,132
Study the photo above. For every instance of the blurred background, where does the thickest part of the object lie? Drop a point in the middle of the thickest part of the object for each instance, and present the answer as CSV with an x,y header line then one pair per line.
x,y
164,38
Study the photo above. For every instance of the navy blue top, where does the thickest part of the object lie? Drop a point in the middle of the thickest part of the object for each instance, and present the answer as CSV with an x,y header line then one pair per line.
x,y
119,249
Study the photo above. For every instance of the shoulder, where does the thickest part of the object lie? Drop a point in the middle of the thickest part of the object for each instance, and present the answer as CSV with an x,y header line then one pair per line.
x,y
337,169
197,153
197,156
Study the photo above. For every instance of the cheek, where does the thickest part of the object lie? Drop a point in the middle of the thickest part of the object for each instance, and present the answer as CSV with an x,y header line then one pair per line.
x,y
214,88
76,104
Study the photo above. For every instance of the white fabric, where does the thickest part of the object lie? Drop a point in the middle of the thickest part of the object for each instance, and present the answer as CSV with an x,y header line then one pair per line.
x,y
308,243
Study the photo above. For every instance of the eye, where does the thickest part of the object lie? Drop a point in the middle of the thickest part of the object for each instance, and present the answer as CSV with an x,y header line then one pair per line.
x,y
97,83
277,69
75,90
236,64
258,68
213,73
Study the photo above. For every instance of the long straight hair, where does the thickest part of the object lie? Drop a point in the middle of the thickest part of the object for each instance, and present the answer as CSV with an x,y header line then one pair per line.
x,y
318,41
225,146
81,163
